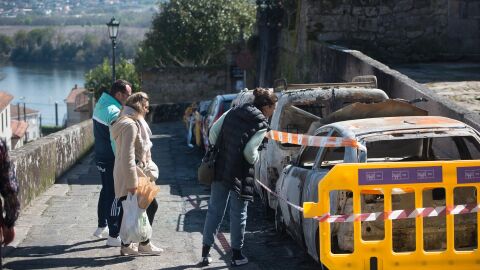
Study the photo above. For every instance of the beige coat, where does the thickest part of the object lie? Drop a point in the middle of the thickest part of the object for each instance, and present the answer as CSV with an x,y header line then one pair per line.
x,y
130,154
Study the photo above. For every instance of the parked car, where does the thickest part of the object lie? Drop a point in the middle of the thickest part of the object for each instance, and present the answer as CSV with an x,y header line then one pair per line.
x,y
217,107
296,111
419,139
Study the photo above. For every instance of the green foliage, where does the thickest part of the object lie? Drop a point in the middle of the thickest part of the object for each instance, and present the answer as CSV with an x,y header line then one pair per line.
x,y
6,44
50,44
100,77
195,32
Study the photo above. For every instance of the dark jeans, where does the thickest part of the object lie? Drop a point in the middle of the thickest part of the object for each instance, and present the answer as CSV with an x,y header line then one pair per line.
x,y
151,210
107,195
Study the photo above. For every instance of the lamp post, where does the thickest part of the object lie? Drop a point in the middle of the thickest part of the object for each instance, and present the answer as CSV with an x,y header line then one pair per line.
x,y
113,32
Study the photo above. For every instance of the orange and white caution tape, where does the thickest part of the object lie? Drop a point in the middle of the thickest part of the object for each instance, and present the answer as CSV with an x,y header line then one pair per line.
x,y
318,141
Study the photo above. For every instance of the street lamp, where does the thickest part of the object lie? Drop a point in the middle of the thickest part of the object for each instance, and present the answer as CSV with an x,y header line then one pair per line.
x,y
113,32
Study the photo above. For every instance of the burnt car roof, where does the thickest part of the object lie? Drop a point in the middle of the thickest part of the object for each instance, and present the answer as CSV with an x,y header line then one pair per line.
x,y
382,124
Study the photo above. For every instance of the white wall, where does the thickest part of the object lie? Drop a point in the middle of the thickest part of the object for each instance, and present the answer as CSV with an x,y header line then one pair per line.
x,y
5,126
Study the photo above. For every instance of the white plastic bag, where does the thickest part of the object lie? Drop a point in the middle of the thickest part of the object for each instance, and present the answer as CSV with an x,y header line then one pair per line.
x,y
135,226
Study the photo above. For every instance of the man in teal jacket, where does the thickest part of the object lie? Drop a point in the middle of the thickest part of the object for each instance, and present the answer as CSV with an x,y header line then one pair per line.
x,y
106,111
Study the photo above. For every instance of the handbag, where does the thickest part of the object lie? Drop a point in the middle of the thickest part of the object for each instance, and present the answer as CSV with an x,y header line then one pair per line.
x,y
206,170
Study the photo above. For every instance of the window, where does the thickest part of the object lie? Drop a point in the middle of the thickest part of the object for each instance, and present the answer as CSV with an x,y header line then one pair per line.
x,y
424,149
309,154
299,118
333,155
473,147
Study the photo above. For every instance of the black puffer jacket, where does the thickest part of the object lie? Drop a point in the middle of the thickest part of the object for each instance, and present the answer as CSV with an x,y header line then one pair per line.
x,y
231,167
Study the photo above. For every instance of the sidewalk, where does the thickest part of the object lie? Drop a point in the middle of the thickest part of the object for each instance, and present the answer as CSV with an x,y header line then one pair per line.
x,y
55,231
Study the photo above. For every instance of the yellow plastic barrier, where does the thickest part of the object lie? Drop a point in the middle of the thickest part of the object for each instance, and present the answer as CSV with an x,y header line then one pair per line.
x,y
416,176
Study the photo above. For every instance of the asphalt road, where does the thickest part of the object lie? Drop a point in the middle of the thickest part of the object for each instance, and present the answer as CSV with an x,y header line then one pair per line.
x,y
55,231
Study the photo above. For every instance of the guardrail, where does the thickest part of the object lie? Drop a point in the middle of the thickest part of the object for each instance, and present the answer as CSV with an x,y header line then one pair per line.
x,y
419,178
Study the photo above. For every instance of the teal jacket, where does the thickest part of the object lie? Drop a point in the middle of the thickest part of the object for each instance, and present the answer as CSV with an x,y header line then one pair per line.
x,y
106,111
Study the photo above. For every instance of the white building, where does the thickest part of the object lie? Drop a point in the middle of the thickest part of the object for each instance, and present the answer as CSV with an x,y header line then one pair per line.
x,y
5,126
31,117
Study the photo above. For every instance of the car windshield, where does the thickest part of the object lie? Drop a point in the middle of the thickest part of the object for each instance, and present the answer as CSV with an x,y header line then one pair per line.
x,y
424,149
226,105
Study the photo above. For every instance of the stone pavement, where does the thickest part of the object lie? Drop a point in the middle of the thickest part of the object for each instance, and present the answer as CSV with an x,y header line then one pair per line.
x,y
55,231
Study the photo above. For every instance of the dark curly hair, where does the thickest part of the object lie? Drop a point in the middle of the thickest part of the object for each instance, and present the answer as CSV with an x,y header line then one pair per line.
x,y
264,97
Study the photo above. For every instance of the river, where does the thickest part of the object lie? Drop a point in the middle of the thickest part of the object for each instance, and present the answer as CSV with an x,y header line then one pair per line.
x,y
41,85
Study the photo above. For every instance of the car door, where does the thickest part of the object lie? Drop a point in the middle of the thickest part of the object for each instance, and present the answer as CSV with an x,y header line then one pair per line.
x,y
291,186
326,159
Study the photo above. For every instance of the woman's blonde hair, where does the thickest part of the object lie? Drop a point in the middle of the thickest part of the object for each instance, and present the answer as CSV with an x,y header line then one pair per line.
x,y
137,102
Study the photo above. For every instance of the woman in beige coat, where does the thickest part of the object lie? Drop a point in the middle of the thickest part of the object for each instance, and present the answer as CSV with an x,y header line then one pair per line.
x,y
133,159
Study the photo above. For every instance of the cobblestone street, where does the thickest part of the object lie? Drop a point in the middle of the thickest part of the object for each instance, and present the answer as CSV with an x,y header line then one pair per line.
x,y
55,231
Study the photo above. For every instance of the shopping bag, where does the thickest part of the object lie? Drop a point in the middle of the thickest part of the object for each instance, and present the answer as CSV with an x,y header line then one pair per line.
x,y
146,191
135,226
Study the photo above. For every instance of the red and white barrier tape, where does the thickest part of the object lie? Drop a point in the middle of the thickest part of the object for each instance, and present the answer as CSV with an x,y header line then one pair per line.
x,y
392,215
278,196
318,141
401,214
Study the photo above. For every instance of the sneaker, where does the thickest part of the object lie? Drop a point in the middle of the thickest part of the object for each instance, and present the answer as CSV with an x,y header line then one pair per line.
x,y
101,232
129,250
238,258
149,249
114,241
207,260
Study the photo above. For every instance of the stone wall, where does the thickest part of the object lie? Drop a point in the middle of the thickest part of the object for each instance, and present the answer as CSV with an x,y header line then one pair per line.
x,y
390,30
329,63
184,85
39,163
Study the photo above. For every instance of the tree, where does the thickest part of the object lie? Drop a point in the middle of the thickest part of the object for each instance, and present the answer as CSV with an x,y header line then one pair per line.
x,y
195,32
100,77
6,45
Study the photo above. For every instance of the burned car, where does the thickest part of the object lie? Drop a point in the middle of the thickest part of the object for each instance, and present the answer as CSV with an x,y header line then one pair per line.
x,y
420,142
296,111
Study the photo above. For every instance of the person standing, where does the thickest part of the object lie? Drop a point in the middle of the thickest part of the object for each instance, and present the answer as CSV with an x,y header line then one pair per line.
x,y
9,204
238,134
106,111
134,159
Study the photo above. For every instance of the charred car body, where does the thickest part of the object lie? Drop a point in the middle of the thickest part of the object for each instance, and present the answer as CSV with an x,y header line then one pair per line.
x,y
386,139
296,111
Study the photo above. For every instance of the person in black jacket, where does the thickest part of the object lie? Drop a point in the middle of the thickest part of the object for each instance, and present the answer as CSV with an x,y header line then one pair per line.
x,y
238,134
9,204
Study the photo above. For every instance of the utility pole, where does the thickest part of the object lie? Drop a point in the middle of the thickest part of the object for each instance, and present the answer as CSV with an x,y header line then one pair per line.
x,y
56,114
25,119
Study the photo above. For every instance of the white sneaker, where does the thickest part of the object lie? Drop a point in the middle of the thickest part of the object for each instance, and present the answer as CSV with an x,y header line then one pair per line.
x,y
131,249
114,242
149,249
101,232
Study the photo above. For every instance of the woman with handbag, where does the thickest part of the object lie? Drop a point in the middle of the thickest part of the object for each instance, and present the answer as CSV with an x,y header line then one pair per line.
x,y
132,161
237,136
